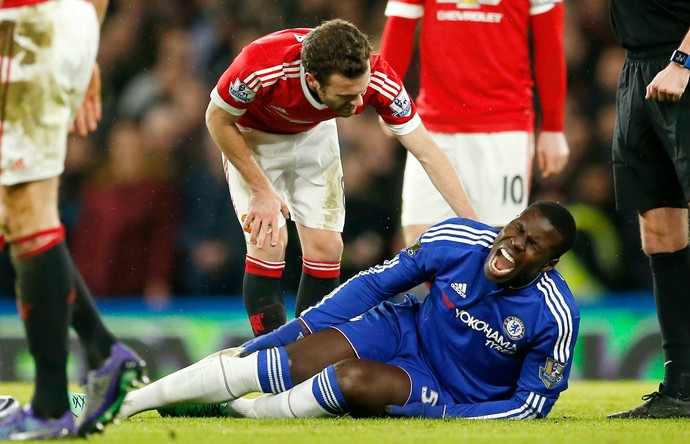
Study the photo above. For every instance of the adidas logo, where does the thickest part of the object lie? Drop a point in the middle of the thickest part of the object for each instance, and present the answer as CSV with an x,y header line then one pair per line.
x,y
460,288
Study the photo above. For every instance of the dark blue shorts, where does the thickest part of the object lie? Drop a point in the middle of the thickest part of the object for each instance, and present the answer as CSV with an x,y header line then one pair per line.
x,y
388,334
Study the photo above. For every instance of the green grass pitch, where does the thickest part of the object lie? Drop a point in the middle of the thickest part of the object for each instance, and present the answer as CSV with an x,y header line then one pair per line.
x,y
578,417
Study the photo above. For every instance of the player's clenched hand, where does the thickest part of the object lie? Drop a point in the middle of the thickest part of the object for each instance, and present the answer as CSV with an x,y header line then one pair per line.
x,y
669,84
90,111
262,219
417,410
552,153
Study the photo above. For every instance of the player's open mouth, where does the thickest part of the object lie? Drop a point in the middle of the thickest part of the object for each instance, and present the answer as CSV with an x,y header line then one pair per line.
x,y
502,263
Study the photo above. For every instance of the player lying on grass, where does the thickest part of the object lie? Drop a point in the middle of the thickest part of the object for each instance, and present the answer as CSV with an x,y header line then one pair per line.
x,y
493,339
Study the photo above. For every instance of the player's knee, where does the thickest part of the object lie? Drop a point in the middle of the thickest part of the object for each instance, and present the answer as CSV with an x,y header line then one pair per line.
x,y
353,379
656,241
330,251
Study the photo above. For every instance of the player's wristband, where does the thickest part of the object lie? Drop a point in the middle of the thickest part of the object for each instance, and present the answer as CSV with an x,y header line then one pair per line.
x,y
681,58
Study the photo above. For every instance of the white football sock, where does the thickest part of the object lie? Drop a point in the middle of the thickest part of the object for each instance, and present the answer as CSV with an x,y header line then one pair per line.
x,y
316,397
217,378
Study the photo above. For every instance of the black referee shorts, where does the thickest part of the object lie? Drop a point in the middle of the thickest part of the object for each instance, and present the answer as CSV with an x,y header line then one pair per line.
x,y
651,142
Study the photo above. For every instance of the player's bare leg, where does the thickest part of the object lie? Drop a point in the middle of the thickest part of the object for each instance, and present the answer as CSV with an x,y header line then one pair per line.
x,y
223,376
348,385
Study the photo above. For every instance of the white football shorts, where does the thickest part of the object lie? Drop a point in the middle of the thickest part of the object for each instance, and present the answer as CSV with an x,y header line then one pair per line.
x,y
304,168
47,54
495,168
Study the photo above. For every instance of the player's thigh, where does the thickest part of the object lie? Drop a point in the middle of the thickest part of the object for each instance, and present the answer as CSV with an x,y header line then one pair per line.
x,y
272,153
311,354
314,187
48,50
384,332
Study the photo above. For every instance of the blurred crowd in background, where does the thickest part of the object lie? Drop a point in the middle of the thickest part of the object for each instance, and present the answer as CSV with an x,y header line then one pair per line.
x,y
145,202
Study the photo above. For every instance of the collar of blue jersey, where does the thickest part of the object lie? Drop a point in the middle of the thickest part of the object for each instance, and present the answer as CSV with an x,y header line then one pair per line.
x,y
520,287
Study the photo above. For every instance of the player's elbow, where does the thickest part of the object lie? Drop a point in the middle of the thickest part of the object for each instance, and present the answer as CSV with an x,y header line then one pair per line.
x,y
211,116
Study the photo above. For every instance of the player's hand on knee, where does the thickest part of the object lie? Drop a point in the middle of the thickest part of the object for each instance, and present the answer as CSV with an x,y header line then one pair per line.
x,y
417,410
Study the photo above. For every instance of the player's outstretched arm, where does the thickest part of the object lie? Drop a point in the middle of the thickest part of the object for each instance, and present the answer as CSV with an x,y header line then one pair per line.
x,y
265,204
439,169
518,407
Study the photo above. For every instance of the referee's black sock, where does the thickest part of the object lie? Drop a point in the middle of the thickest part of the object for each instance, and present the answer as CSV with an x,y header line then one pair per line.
x,y
670,273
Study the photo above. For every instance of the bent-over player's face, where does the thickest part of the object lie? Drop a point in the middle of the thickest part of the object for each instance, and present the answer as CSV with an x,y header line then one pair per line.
x,y
343,95
522,250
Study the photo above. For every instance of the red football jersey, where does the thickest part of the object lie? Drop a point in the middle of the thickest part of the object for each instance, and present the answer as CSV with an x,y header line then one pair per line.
x,y
265,85
17,3
476,73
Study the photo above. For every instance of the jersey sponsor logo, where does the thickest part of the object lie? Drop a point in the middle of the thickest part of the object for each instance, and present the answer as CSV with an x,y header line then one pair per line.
x,y
401,105
241,92
469,16
460,288
514,328
551,373
412,249
494,338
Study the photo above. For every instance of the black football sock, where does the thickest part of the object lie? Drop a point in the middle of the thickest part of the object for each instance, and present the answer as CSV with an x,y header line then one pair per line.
x,y
317,280
262,294
264,303
44,287
87,323
312,289
670,273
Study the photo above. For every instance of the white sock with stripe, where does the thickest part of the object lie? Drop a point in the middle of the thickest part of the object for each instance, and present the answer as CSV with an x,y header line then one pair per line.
x,y
316,397
217,378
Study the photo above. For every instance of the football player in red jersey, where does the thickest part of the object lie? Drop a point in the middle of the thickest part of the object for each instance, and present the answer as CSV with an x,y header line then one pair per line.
x,y
479,108
272,116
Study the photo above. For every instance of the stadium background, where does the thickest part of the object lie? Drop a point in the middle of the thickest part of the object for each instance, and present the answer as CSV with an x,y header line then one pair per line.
x,y
151,226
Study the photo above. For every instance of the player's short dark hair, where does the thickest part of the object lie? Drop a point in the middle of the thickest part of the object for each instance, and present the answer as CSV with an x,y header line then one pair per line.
x,y
336,47
561,219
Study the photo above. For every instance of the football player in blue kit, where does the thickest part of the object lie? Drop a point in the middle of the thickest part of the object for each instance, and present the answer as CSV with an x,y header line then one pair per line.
x,y
493,339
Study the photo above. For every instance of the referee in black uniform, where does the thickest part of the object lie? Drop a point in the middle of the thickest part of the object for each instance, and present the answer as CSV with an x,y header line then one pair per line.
x,y
651,165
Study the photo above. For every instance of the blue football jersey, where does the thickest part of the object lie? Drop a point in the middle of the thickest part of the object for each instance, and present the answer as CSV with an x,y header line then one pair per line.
x,y
500,352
